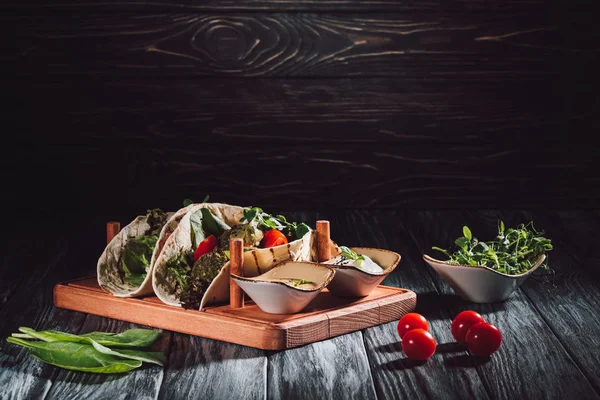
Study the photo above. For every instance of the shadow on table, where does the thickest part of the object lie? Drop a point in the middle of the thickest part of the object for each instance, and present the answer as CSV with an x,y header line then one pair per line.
x,y
401,364
431,303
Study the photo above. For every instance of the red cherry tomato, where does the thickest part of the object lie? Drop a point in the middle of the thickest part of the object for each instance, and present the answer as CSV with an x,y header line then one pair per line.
x,y
273,238
411,321
462,322
205,246
418,344
483,339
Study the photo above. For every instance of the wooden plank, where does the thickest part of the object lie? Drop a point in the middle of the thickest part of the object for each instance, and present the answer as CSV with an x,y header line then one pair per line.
x,y
394,375
213,369
22,376
418,179
334,368
272,5
144,382
567,301
291,111
291,44
508,372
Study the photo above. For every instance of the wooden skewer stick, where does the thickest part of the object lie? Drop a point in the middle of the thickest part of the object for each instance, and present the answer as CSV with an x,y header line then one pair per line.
x,y
112,229
323,241
236,267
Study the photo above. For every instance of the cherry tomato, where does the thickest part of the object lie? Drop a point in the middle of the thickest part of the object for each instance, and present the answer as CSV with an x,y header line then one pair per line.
x,y
411,321
462,322
418,344
205,246
273,238
483,339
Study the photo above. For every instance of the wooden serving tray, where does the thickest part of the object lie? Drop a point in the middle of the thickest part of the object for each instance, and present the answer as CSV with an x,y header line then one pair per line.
x,y
325,317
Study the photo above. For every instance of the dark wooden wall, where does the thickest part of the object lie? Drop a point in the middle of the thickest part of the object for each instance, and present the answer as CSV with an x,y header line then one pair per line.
x,y
297,104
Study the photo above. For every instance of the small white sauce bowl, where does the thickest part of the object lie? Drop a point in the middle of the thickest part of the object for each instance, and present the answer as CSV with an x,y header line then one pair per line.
x,y
275,297
354,282
480,284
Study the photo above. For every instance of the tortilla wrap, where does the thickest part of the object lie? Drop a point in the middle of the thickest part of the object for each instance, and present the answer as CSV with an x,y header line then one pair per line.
x,y
109,264
256,261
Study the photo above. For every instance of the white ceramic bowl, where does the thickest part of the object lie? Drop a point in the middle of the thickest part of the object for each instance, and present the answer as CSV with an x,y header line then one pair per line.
x,y
480,284
274,295
352,281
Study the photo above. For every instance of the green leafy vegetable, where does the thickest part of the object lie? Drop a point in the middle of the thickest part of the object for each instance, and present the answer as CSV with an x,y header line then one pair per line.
x,y
211,224
90,352
514,251
138,250
203,223
128,338
265,222
150,357
136,258
352,255
76,356
298,282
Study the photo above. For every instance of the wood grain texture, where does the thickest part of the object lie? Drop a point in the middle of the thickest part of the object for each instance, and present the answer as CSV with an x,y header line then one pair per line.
x,y
394,375
143,383
274,5
22,376
399,142
348,176
571,296
135,112
334,368
327,315
508,372
292,44
211,369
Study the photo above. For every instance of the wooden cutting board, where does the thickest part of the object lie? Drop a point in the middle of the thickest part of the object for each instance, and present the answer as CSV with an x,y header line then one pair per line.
x,y
325,317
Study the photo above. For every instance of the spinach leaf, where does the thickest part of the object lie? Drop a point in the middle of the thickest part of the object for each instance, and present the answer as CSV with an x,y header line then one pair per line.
x,y
128,338
197,232
211,224
76,356
55,336
204,223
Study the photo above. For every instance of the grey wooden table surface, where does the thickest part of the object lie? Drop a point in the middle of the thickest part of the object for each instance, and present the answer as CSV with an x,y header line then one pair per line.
x,y
551,330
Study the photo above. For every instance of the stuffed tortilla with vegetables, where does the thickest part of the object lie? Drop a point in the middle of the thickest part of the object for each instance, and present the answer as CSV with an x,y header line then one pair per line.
x,y
125,267
192,270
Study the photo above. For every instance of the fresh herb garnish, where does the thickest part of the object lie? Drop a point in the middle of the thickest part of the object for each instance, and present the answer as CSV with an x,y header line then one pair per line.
x,y
512,252
100,352
298,282
265,222
352,255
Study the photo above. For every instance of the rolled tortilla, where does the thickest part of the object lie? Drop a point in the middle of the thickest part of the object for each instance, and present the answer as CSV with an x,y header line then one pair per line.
x,y
109,264
256,262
